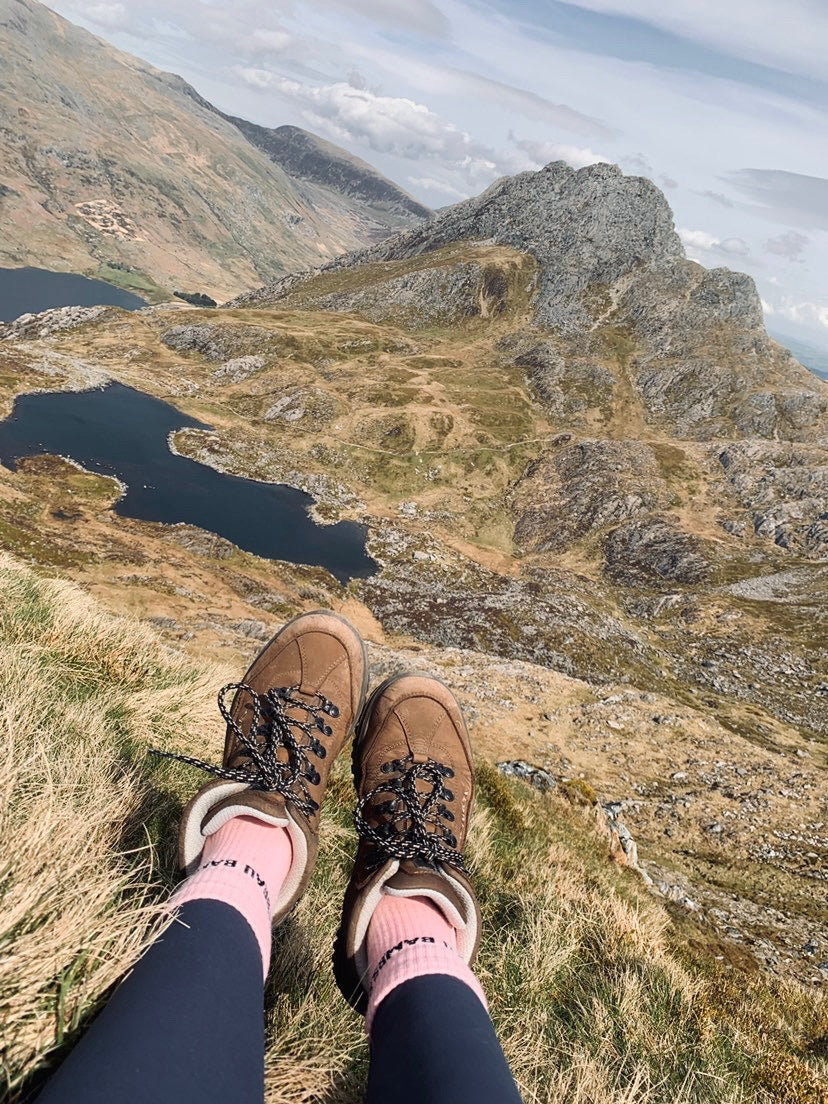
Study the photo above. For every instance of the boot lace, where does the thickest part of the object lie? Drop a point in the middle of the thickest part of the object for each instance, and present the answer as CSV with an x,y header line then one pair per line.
x,y
404,818
271,731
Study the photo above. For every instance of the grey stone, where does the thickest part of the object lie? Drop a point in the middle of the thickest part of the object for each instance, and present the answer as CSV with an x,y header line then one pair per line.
x,y
784,489
567,385
239,369
536,776
652,550
30,327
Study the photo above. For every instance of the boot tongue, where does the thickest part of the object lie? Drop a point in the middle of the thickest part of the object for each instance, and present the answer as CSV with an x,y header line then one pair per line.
x,y
417,879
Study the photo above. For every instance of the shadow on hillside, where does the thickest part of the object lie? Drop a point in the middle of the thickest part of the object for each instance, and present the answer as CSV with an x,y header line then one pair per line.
x,y
154,819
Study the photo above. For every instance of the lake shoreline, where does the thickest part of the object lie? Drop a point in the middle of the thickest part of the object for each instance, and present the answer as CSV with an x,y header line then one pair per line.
x,y
30,290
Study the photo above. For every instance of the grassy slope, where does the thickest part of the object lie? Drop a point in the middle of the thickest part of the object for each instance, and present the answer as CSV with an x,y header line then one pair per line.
x,y
590,1000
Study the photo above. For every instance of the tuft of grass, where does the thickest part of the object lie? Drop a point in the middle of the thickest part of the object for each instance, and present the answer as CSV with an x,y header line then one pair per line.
x,y
578,792
497,793
786,1079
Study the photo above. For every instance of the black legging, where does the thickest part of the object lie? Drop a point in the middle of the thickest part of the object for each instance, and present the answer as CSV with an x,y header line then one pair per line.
x,y
186,1026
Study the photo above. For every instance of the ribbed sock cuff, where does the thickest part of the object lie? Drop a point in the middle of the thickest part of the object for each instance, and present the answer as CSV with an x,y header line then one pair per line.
x,y
244,864
410,937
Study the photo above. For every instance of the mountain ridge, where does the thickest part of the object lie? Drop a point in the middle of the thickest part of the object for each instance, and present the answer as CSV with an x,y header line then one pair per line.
x,y
306,156
309,157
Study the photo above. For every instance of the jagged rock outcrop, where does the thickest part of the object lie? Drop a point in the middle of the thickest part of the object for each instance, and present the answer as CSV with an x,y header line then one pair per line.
x,y
566,384
46,323
443,288
739,386
215,343
438,296
580,487
651,550
784,489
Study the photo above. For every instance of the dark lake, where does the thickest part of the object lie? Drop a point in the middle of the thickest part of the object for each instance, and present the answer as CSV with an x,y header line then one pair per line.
x,y
30,290
122,432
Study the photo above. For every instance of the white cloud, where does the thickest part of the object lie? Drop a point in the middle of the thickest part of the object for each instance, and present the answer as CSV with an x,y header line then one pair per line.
x,y
767,308
805,314
697,239
717,197
784,196
736,247
457,83
104,14
637,163
524,102
387,124
430,184
257,78
786,34
421,16
541,153
276,41
789,245
700,239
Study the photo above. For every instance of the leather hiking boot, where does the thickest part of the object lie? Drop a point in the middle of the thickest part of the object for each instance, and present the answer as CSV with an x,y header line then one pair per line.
x,y
288,720
414,778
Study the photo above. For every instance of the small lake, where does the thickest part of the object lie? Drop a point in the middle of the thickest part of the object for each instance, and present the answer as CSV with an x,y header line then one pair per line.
x,y
31,290
122,432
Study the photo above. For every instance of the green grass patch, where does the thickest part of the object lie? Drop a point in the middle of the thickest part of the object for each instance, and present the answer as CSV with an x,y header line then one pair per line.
x,y
138,282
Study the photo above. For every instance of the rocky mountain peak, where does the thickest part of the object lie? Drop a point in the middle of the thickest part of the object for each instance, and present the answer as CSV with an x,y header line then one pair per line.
x,y
606,248
586,228
605,307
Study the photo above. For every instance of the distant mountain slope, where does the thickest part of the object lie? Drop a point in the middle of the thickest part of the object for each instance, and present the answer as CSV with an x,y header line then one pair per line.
x,y
306,156
107,163
809,355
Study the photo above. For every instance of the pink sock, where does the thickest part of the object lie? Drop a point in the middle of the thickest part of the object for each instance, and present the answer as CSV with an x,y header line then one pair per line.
x,y
244,864
409,937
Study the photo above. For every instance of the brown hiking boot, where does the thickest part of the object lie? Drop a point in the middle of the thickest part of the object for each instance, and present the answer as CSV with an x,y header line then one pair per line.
x,y
288,720
415,783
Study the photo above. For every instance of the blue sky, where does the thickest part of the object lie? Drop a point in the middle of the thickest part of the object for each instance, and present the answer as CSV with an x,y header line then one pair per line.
x,y
722,102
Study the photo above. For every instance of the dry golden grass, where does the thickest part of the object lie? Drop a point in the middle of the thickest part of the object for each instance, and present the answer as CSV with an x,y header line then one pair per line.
x,y
80,692
591,1003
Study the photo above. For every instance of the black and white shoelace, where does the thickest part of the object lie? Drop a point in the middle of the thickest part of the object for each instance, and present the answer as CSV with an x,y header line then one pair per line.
x,y
412,822
272,730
